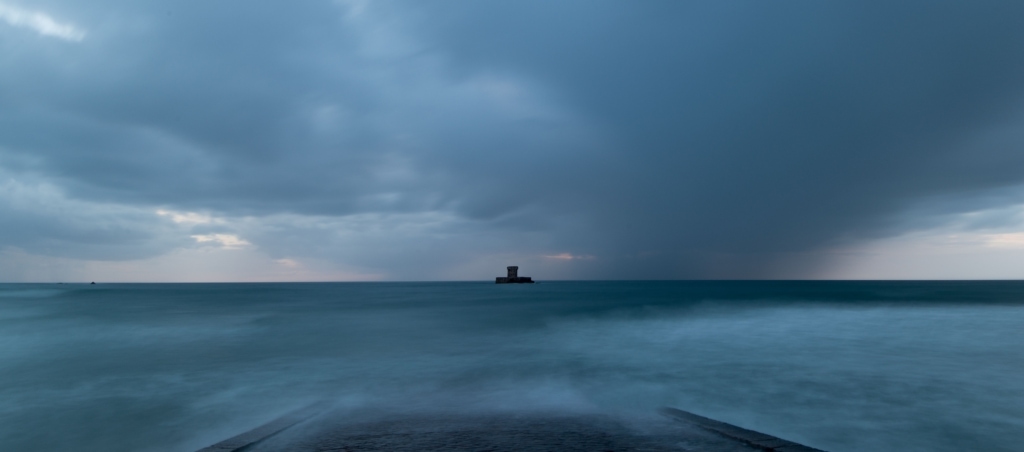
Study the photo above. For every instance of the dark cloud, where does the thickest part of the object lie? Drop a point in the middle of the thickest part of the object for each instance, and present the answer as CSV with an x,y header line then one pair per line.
x,y
752,129
732,139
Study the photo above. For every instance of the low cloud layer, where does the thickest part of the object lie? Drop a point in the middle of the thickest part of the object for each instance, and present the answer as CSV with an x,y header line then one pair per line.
x,y
39,22
436,140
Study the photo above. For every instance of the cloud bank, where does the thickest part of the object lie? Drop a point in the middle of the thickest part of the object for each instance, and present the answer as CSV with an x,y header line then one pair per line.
x,y
39,22
437,140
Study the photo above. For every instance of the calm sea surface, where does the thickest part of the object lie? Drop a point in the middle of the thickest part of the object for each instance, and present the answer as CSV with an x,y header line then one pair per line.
x,y
842,366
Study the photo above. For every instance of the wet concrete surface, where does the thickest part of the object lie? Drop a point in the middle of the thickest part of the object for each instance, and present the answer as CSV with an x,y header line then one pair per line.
x,y
495,432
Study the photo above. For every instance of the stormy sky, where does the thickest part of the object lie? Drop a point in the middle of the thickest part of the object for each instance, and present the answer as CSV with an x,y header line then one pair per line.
x,y
442,140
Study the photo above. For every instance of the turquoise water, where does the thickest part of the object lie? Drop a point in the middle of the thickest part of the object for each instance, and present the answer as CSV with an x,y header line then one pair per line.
x,y
843,366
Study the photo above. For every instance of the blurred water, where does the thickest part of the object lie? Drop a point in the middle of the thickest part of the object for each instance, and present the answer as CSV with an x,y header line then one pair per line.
x,y
843,366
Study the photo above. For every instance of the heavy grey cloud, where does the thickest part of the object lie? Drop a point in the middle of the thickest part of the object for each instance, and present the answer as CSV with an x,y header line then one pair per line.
x,y
731,139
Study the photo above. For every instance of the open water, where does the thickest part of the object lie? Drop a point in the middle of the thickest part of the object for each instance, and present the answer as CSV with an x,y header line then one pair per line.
x,y
842,366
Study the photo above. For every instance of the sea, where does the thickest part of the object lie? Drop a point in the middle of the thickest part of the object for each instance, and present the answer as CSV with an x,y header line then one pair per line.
x,y
840,366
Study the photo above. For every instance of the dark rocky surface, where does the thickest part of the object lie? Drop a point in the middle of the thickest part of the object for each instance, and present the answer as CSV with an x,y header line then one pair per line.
x,y
245,440
756,439
494,432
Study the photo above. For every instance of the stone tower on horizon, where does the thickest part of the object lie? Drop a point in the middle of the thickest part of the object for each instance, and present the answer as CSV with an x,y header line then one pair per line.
x,y
513,277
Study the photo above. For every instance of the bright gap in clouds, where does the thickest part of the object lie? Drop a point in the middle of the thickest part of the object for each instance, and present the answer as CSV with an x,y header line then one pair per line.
x,y
185,217
39,22
226,241
961,248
